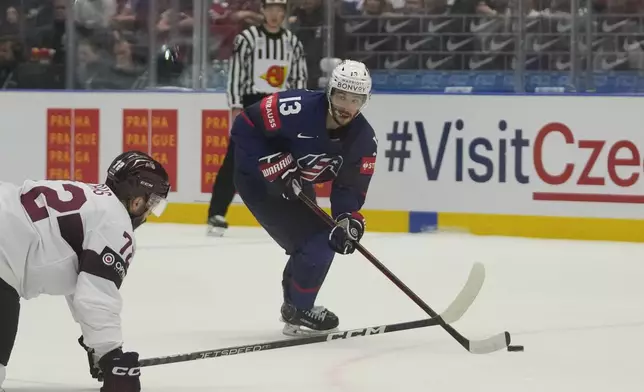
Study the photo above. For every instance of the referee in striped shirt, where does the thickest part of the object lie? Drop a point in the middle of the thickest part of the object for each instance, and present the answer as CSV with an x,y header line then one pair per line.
x,y
265,59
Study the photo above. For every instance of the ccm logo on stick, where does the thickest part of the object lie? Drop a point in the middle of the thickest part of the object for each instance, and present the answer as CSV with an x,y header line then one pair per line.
x,y
122,371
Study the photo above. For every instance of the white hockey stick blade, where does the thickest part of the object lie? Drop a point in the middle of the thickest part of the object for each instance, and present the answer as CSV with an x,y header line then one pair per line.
x,y
491,344
462,303
466,296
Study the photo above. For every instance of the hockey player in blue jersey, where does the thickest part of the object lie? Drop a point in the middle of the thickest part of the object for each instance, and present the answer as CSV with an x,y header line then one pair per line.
x,y
293,140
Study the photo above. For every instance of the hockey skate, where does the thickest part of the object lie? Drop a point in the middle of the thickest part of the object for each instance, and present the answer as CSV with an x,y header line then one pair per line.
x,y
217,226
316,321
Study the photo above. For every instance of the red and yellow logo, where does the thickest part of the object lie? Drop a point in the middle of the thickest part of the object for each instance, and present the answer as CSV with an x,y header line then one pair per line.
x,y
275,76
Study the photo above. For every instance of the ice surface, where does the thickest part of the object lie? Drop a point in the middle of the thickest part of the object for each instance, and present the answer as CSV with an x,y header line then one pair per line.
x,y
578,307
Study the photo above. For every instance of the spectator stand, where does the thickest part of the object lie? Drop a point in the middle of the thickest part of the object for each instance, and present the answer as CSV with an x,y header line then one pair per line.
x,y
491,46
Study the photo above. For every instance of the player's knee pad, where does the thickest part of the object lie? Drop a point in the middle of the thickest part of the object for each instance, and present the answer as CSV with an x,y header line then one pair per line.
x,y
309,265
315,251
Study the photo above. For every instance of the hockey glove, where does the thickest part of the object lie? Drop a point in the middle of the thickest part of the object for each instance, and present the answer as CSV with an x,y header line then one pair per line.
x,y
94,370
281,174
348,230
121,371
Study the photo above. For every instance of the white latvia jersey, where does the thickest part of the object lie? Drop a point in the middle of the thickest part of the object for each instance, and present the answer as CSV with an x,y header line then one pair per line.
x,y
70,239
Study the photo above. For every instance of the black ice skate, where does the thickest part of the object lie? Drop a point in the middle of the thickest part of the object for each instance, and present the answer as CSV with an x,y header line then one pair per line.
x,y
217,226
316,321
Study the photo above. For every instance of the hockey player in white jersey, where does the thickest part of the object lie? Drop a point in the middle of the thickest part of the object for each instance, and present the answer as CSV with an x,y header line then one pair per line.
x,y
77,240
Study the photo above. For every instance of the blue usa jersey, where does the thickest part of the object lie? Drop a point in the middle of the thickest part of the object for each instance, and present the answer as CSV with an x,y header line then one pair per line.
x,y
294,121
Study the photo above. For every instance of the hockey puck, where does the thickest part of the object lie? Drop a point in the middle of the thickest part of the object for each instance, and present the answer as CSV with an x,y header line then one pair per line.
x,y
515,348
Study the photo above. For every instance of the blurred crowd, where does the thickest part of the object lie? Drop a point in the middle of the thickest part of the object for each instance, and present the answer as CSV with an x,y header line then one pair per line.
x,y
499,35
139,44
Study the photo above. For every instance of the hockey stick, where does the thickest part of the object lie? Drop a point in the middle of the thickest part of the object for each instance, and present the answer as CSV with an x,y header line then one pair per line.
x,y
454,311
485,346
257,347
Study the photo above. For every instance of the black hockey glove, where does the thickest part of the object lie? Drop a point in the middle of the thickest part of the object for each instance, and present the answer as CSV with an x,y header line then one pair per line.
x,y
94,370
121,371
349,230
281,174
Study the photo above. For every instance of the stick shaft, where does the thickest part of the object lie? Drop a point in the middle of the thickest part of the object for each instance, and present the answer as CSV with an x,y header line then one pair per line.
x,y
257,347
390,275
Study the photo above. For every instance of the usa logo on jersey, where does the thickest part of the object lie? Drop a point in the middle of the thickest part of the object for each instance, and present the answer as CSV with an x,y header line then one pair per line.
x,y
319,168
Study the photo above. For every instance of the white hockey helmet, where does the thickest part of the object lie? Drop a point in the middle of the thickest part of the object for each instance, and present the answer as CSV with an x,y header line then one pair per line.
x,y
352,77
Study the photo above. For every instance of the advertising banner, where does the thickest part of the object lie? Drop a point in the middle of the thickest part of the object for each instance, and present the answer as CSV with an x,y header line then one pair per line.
x,y
59,144
555,156
531,155
155,132
86,145
73,144
163,146
215,129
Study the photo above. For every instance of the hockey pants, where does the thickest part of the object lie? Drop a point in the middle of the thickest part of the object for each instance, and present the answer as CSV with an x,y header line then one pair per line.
x,y
9,314
301,233
223,190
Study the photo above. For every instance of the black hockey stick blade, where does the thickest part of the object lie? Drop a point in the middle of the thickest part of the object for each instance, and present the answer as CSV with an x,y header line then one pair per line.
x,y
485,346
454,312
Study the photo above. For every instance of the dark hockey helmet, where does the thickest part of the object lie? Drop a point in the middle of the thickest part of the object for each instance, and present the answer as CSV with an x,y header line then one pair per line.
x,y
170,65
135,174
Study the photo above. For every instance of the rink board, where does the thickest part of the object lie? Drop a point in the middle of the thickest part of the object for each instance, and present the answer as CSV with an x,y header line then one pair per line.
x,y
596,229
572,169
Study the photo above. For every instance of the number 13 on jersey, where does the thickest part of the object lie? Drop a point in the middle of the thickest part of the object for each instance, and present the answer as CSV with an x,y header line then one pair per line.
x,y
286,106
